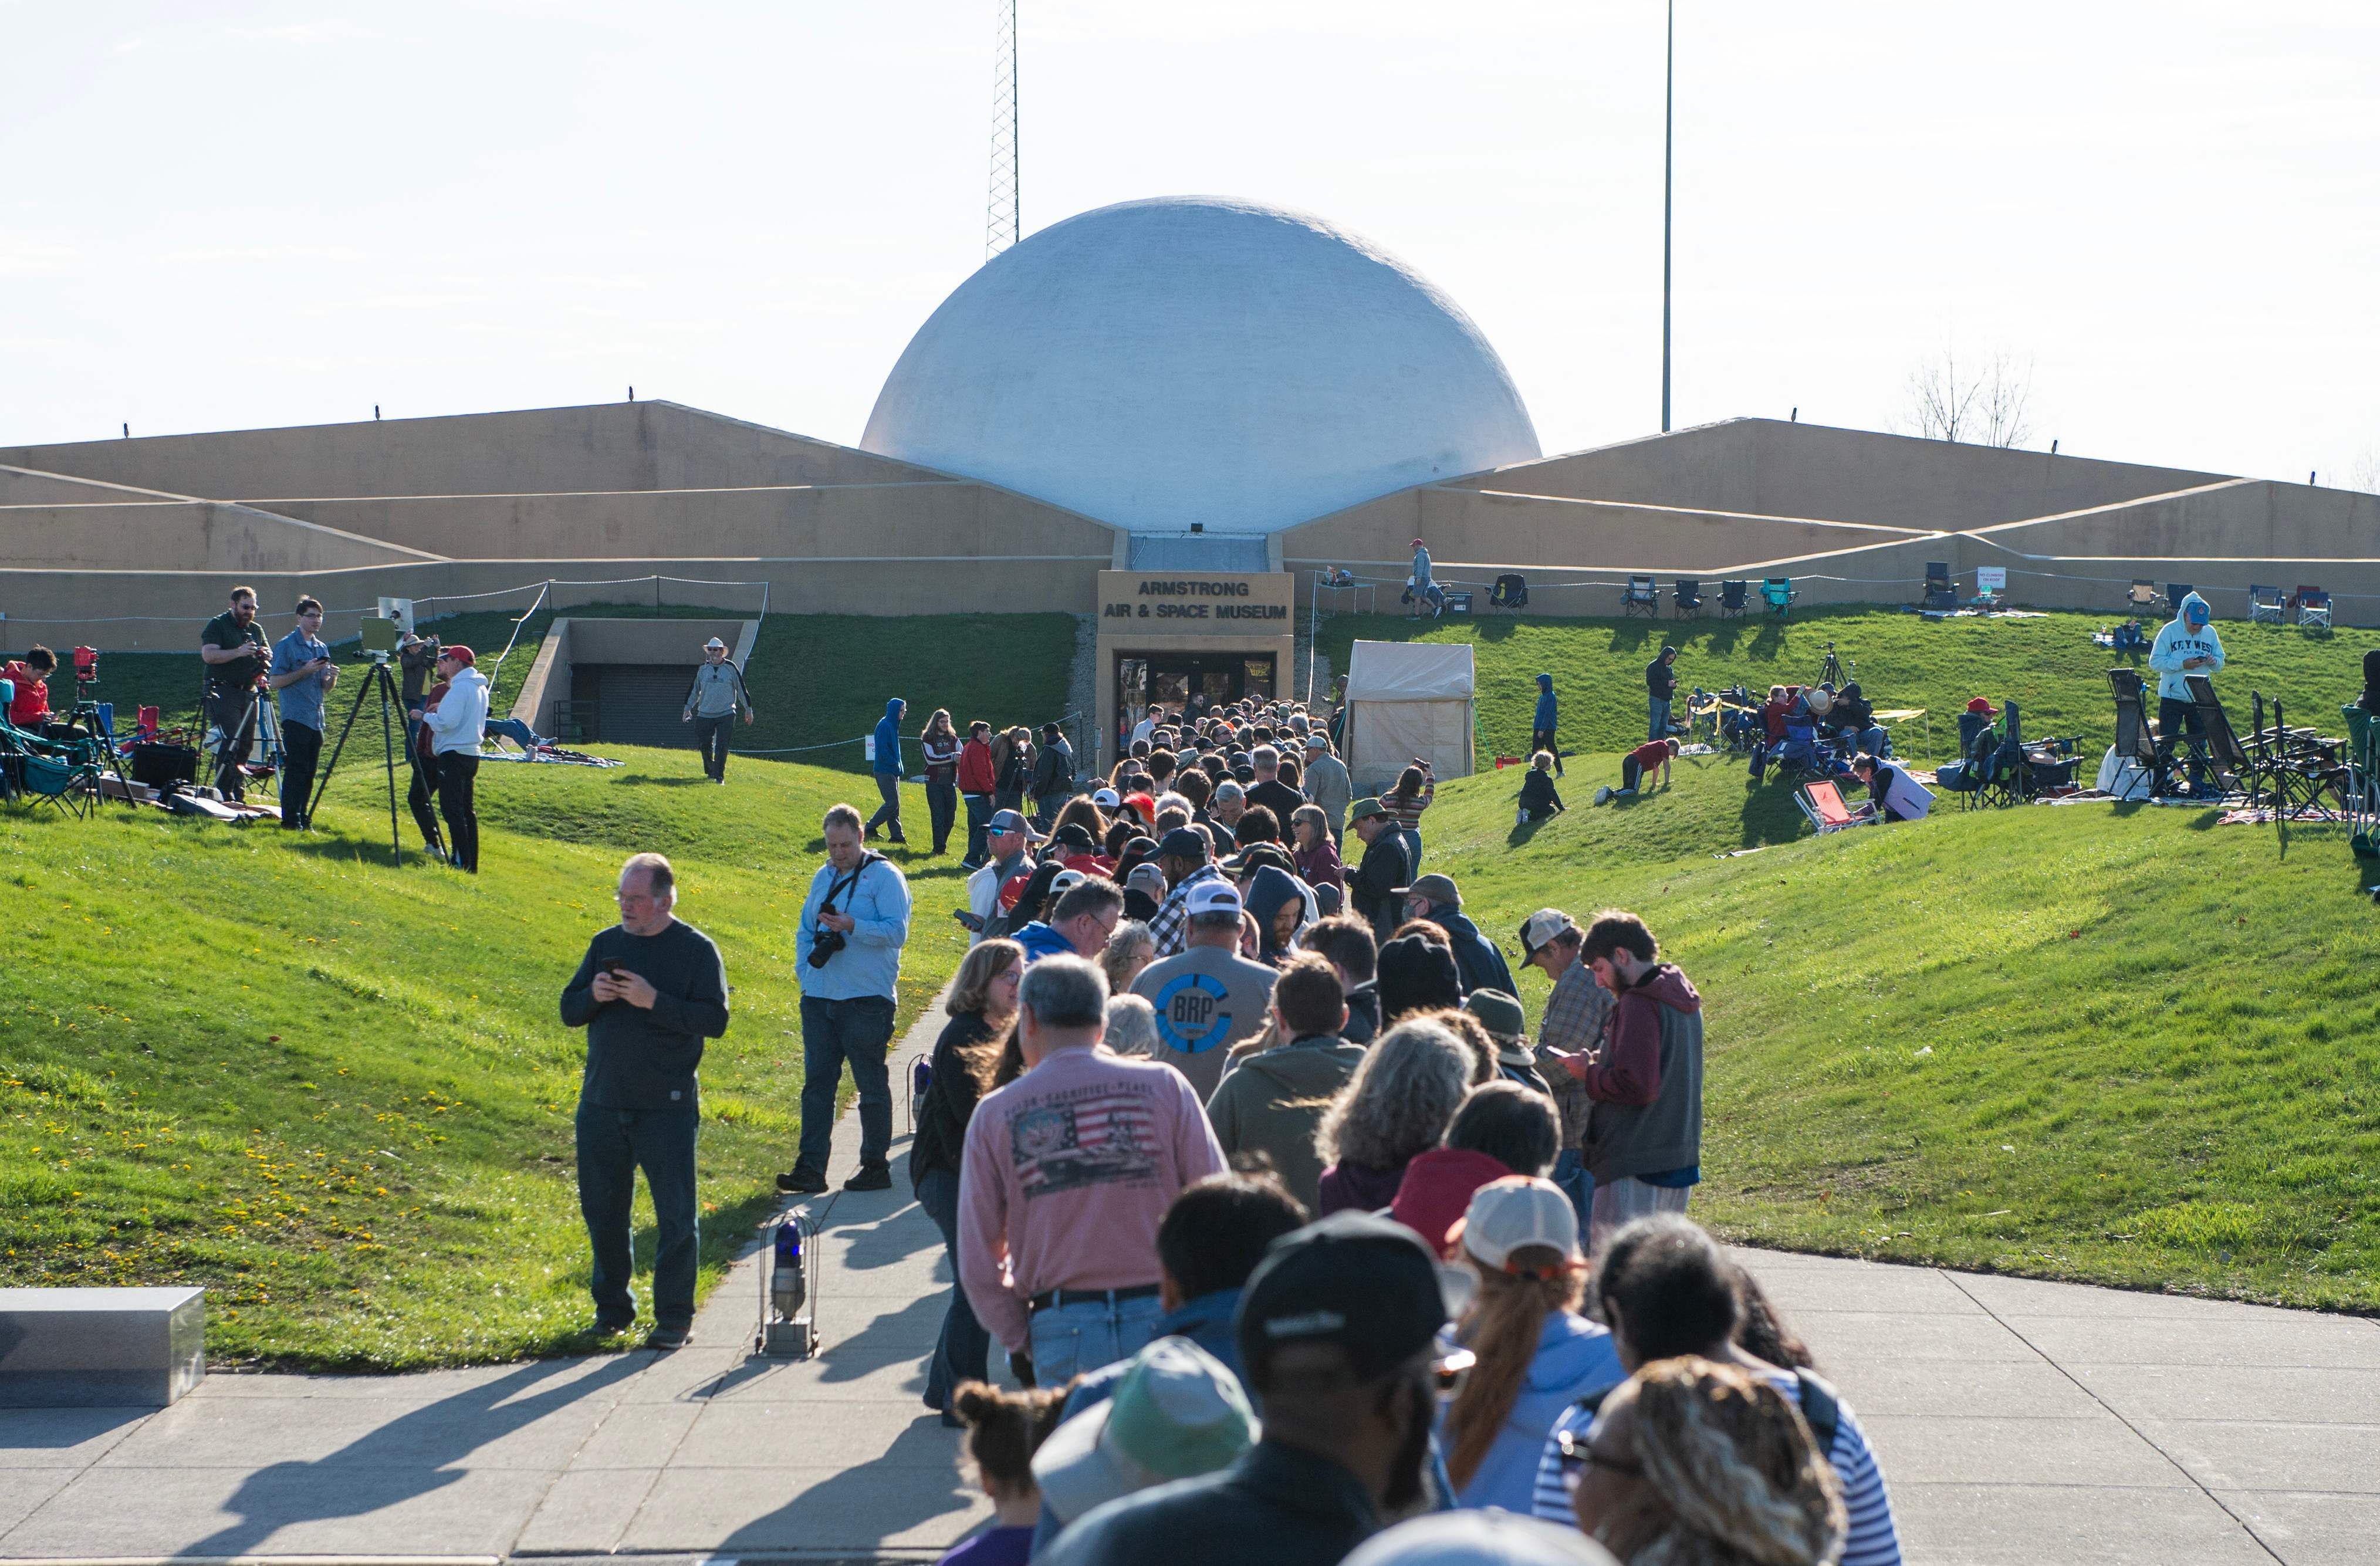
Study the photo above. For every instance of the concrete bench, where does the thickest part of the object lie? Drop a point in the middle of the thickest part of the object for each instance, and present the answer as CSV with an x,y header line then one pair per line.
x,y
100,1348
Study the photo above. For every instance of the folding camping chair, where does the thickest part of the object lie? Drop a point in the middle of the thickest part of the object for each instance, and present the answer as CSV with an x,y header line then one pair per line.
x,y
2226,756
1508,593
2175,592
2267,605
1731,599
1965,776
2312,605
1640,597
1686,599
1777,594
1941,593
1823,803
2143,598
2135,738
2304,768
38,773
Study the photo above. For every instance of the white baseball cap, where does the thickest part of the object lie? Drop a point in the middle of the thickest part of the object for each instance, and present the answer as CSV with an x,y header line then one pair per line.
x,y
1177,1412
1484,1537
1105,798
1542,927
1063,882
1514,1214
1214,895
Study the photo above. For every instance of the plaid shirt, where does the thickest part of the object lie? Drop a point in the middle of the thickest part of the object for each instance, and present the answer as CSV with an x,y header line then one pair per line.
x,y
1574,1021
1172,926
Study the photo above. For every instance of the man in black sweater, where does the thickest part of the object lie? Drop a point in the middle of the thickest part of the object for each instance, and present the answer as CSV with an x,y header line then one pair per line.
x,y
649,991
1376,892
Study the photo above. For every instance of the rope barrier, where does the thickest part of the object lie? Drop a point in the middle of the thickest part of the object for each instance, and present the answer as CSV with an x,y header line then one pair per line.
x,y
1618,579
543,586
862,739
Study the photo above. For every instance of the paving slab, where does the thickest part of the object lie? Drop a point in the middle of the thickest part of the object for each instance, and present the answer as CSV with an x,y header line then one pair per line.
x,y
2310,1529
2241,1455
1968,1524
2016,1421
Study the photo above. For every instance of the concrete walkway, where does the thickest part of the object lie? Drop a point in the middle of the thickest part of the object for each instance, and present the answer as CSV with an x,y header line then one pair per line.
x,y
2017,1421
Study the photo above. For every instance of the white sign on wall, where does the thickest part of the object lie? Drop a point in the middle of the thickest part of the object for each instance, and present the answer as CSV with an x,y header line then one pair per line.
x,y
1991,578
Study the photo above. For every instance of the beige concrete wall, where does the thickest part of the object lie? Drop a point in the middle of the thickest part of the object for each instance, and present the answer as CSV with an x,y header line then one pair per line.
x,y
1474,535
938,518
64,606
574,639
23,486
2237,518
1775,469
642,445
180,535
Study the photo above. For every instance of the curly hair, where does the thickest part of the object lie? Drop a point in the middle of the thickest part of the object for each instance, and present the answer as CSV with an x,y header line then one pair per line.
x,y
1410,1080
1736,1466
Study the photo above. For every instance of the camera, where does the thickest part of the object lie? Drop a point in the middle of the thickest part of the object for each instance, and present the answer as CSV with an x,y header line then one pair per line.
x,y
825,944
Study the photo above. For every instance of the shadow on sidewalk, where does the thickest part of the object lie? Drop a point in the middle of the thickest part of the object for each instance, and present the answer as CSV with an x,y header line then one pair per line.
x,y
913,1483
420,1451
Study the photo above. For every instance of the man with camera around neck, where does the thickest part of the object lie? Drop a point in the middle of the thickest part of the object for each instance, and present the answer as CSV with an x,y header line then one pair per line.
x,y
854,922
235,651
649,991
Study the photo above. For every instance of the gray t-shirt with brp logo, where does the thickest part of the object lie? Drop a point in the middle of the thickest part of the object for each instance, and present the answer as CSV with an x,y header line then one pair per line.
x,y
1207,999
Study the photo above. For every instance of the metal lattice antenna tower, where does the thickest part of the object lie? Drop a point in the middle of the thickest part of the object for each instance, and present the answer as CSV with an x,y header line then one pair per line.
x,y
1003,215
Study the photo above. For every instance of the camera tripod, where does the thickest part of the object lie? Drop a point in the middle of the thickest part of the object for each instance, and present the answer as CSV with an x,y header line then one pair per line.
x,y
376,680
1831,673
86,714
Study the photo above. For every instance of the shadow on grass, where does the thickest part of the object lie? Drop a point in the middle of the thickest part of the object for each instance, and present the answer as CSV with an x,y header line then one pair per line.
x,y
1770,816
647,780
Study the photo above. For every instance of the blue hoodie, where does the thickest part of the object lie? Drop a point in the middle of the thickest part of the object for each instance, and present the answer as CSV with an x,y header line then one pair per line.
x,y
1575,1357
888,738
1420,568
1545,719
2176,641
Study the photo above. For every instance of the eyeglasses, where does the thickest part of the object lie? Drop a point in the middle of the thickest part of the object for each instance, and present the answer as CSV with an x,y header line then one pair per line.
x,y
1578,1455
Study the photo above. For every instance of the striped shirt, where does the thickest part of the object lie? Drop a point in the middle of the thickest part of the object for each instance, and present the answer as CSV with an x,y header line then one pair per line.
x,y
1407,810
1874,1538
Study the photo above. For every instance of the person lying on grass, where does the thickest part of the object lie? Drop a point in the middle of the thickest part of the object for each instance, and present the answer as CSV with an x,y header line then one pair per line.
x,y
1539,800
1638,763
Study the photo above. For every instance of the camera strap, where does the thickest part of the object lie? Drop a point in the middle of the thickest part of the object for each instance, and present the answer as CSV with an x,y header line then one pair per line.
x,y
844,884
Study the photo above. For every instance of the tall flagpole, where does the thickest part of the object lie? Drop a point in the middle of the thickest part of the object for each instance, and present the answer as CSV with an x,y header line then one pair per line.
x,y
1669,185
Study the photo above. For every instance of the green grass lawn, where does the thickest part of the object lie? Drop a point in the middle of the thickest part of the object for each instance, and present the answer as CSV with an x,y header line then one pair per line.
x,y
2113,1043
338,1095
2050,665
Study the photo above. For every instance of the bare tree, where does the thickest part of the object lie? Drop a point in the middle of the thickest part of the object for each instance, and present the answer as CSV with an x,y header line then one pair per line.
x,y
2365,472
1986,406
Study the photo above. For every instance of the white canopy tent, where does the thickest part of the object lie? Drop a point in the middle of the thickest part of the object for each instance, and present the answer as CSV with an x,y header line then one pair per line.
x,y
1407,699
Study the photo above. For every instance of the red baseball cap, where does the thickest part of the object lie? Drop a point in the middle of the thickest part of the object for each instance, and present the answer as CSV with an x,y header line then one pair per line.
x,y
1980,705
459,652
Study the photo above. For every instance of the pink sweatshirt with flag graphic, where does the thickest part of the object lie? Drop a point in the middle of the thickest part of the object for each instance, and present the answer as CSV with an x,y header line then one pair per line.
x,y
1067,1171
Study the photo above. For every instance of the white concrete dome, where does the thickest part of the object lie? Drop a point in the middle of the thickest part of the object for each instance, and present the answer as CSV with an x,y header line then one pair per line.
x,y
1194,359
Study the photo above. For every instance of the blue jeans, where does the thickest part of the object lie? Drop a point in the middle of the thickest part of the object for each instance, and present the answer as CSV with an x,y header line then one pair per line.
x,y
857,1032
963,1351
1069,1339
612,1145
1657,718
979,809
1412,848
1571,1174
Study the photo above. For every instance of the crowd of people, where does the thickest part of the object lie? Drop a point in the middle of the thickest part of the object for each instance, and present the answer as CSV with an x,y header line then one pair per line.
x,y
1289,1228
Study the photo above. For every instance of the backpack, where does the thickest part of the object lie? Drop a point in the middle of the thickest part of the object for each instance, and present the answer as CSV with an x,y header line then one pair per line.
x,y
1821,1409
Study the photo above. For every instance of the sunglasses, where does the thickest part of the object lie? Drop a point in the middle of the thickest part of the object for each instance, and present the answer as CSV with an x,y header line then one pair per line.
x,y
1578,1455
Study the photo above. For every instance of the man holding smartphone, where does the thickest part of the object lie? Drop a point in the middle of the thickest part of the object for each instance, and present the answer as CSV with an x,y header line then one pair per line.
x,y
649,992
302,673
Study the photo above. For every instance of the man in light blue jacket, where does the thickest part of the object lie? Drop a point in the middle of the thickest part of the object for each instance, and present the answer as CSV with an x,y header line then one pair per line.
x,y
854,922
888,769
2185,646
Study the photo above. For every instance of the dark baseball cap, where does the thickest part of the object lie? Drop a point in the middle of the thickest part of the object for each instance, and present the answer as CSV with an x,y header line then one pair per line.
x,y
1074,834
1010,820
1366,1283
1183,843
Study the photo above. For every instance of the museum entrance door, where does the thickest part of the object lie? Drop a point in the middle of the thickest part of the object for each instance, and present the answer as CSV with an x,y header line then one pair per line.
x,y
1174,680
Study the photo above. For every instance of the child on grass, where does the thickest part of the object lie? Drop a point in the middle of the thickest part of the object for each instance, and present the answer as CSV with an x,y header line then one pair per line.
x,y
1539,800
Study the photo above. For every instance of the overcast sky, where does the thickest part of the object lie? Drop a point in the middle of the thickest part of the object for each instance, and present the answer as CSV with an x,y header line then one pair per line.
x,y
219,215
